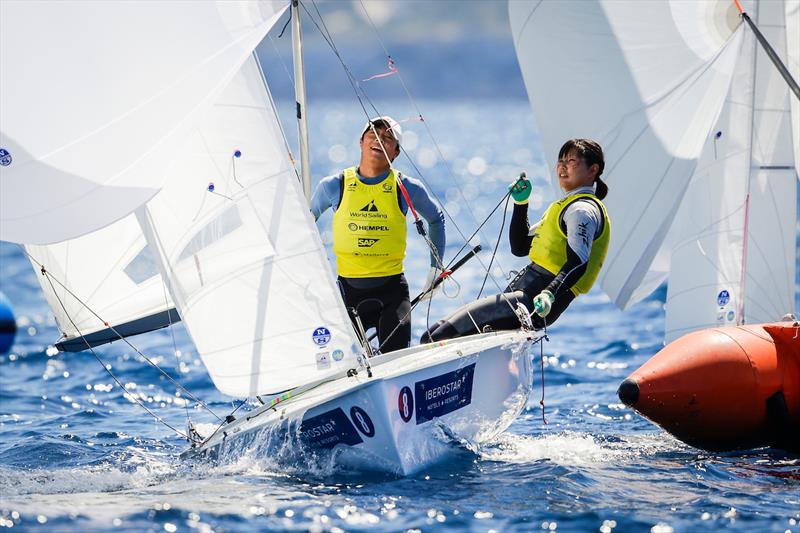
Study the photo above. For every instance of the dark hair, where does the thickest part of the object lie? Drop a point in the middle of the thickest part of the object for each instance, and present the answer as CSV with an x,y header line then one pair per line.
x,y
592,154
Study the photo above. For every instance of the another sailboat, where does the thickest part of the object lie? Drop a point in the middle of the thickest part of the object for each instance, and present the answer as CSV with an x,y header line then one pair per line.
x,y
701,133
223,223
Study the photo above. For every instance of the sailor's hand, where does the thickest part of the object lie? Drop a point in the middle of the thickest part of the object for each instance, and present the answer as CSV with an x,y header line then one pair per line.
x,y
542,303
520,189
433,274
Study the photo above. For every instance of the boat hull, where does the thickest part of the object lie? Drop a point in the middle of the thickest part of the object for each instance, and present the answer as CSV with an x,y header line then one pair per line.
x,y
724,388
405,417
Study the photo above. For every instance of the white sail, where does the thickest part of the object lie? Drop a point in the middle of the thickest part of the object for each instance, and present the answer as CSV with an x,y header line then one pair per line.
x,y
649,81
734,259
793,64
113,282
115,87
245,264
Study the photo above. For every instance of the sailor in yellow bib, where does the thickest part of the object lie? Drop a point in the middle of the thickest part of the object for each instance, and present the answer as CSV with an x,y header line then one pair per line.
x,y
369,233
369,230
566,248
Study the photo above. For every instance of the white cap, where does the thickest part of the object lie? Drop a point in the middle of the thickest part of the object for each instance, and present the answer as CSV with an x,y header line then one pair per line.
x,y
392,124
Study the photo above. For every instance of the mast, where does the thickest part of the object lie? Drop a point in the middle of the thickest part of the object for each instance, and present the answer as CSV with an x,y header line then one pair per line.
x,y
300,98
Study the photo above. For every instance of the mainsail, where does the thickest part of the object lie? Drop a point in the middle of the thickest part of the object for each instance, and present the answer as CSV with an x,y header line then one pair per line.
x,y
115,87
240,251
691,119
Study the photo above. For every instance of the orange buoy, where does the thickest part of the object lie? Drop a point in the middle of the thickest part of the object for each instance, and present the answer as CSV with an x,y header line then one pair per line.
x,y
724,388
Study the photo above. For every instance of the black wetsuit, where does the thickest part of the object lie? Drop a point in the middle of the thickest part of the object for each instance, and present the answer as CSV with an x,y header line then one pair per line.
x,y
494,313
381,303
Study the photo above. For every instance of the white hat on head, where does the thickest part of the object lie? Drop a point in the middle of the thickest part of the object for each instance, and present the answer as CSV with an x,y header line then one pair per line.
x,y
392,125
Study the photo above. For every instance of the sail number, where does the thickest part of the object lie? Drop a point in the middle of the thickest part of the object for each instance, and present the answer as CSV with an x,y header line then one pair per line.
x,y
362,421
405,403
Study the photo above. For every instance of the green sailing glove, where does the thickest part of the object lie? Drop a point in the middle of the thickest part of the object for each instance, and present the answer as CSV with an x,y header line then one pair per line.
x,y
520,189
542,303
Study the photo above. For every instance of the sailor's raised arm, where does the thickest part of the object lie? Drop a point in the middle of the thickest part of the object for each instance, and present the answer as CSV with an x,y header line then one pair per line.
x,y
326,195
519,234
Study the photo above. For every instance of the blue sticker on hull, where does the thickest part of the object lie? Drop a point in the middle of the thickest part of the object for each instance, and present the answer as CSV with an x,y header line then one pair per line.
x,y
443,394
329,429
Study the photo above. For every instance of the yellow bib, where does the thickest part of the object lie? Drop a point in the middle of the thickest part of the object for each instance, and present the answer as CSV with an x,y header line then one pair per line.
x,y
369,229
549,244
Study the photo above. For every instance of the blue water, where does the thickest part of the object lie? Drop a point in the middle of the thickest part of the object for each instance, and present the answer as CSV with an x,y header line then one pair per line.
x,y
75,455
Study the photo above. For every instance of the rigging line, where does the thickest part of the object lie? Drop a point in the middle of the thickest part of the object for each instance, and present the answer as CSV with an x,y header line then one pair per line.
x,y
469,314
541,359
229,418
356,86
136,400
496,244
122,338
280,60
174,344
427,129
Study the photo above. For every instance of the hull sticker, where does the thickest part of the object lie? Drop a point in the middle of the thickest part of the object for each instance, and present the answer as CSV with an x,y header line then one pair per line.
x,y
443,394
329,429
362,421
405,403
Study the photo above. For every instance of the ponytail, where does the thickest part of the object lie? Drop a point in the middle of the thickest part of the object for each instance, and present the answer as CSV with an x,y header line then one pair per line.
x,y
600,188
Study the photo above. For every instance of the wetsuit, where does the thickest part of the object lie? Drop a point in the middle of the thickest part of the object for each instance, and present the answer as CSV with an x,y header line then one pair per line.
x,y
566,272
377,291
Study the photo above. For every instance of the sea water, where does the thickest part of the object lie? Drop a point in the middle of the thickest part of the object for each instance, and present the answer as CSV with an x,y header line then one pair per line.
x,y
76,455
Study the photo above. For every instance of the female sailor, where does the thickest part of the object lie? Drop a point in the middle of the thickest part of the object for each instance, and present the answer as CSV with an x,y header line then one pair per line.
x,y
566,248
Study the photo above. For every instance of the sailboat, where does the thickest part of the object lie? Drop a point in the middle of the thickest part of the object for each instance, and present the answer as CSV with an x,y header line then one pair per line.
x,y
162,189
700,129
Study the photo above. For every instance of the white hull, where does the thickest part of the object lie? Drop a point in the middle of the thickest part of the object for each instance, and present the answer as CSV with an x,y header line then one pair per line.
x,y
406,416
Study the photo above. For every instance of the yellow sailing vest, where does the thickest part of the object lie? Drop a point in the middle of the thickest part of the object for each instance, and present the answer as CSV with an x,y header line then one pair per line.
x,y
369,229
549,244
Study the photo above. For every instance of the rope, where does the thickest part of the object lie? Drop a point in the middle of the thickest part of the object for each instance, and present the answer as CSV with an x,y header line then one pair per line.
x,y
174,346
359,91
107,368
541,359
496,244
505,298
122,338
435,144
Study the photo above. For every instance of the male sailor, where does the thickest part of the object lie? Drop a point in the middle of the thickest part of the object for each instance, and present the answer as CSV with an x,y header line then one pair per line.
x,y
566,249
370,203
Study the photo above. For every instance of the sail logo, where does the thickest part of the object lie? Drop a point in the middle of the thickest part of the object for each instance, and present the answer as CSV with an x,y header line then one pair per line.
x,y
723,298
364,242
321,336
338,355
5,157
